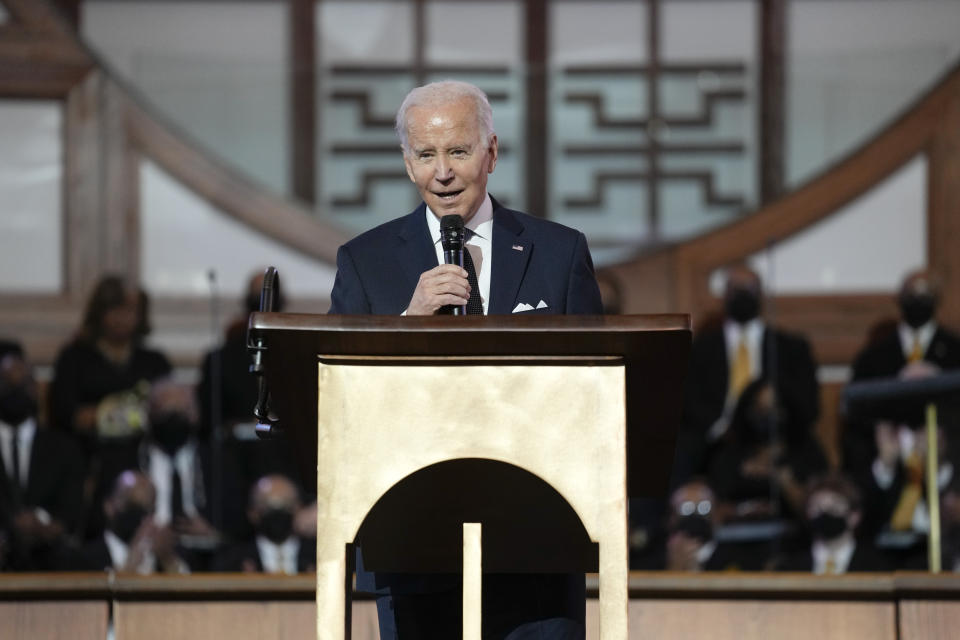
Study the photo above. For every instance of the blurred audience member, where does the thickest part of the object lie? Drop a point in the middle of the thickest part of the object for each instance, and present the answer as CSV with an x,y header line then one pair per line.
x,y
133,541
725,359
950,525
895,487
98,376
763,454
10,346
176,462
691,529
833,513
918,347
227,394
919,342
276,548
41,473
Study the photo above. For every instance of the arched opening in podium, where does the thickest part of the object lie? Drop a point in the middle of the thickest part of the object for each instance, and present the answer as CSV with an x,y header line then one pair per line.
x,y
528,527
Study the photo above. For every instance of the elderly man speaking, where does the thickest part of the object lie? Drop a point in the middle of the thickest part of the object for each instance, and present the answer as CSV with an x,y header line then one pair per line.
x,y
513,263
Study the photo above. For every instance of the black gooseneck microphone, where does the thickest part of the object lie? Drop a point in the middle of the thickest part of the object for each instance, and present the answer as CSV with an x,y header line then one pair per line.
x,y
452,239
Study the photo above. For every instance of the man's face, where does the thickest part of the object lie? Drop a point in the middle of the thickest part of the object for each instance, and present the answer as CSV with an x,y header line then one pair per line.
x,y
448,159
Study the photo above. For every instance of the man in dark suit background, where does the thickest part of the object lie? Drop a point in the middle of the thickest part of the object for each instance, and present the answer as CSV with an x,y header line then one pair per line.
x,y
886,457
514,263
41,473
725,359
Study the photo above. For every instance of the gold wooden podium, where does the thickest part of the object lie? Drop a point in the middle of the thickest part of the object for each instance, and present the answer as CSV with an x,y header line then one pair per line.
x,y
476,445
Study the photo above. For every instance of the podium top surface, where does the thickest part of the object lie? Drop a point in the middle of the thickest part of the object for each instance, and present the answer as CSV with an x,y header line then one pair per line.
x,y
483,335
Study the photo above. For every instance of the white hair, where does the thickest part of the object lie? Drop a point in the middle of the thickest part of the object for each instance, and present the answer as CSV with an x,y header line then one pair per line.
x,y
445,92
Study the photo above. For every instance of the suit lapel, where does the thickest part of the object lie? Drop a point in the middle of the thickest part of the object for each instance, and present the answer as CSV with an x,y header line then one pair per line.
x,y
416,251
511,253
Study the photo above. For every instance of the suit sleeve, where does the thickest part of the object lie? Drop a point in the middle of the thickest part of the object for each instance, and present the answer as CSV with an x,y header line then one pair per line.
x,y
583,294
348,295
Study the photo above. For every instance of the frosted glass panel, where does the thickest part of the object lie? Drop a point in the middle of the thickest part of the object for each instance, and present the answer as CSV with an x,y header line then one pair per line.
x,y
372,31
854,66
471,33
184,238
217,70
840,256
31,161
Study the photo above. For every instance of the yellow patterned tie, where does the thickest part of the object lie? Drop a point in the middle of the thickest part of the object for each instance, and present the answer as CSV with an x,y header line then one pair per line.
x,y
831,567
910,496
740,369
916,354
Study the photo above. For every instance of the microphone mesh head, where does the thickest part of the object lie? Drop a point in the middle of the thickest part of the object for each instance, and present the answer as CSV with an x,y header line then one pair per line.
x,y
451,232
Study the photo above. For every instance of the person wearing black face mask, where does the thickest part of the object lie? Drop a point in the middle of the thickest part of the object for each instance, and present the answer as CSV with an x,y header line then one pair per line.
x,y
832,514
133,541
726,357
276,547
41,473
227,393
918,337
916,346
691,523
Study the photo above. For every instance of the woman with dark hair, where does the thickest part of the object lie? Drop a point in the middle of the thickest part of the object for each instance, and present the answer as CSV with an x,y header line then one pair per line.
x,y
100,374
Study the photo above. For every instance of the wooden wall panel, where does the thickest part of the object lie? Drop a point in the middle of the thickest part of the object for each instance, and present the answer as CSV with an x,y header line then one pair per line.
x,y
929,620
761,620
231,620
53,620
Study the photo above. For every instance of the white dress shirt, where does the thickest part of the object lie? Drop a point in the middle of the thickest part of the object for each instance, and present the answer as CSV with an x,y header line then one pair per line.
x,y
119,552
733,333
279,558
924,334
840,552
479,244
25,433
184,461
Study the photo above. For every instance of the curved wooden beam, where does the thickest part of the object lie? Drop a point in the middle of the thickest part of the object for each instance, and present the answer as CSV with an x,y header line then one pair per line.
x,y
253,205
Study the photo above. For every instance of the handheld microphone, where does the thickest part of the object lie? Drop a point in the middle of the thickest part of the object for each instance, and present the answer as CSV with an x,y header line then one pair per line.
x,y
452,239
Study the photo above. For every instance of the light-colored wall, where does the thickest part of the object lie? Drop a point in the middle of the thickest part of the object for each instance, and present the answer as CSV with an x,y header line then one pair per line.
x,y
31,172
216,70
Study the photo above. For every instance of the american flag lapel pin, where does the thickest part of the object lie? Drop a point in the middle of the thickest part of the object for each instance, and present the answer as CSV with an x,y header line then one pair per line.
x,y
517,247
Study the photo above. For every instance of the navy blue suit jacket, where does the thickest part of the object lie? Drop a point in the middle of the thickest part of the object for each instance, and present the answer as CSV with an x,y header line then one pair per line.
x,y
533,260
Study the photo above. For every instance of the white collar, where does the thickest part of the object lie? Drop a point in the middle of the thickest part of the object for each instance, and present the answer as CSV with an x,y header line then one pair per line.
x,y
25,430
923,334
272,555
480,223
119,551
705,552
841,552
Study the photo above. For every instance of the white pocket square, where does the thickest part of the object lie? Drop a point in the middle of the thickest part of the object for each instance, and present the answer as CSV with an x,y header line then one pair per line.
x,y
523,306
542,305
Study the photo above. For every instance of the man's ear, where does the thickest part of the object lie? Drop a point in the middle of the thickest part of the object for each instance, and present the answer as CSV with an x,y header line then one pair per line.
x,y
493,150
409,165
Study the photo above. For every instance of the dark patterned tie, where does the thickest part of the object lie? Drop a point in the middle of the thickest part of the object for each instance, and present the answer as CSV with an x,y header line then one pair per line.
x,y
474,305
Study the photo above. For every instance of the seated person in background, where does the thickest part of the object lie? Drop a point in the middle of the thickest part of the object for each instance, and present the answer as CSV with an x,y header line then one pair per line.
x,y
918,347
950,526
765,452
832,515
98,377
41,473
276,548
691,528
725,359
228,397
894,488
133,541
177,464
